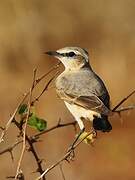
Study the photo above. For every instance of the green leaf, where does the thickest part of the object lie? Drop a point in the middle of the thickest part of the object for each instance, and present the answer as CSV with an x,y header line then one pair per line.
x,y
37,123
41,124
22,109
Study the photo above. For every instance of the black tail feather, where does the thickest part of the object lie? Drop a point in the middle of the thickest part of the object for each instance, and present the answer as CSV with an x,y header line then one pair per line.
x,y
102,124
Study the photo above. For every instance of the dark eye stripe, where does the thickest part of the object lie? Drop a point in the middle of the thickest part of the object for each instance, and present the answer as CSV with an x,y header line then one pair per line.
x,y
63,54
70,54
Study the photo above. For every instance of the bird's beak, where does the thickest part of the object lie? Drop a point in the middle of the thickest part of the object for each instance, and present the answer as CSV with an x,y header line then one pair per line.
x,y
52,53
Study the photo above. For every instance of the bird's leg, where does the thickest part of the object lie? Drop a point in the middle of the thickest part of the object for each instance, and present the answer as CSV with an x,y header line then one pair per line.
x,y
71,147
76,139
78,136
89,137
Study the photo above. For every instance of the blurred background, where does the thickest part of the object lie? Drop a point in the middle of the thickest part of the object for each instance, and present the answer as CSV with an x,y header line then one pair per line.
x,y
107,30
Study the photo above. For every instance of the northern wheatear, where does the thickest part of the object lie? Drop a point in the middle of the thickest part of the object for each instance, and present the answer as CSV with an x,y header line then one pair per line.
x,y
83,92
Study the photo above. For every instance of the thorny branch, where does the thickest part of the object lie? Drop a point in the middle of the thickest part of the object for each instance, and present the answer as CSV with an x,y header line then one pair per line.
x,y
45,88
46,74
25,124
121,102
23,130
125,109
10,148
32,139
68,156
37,81
58,125
11,119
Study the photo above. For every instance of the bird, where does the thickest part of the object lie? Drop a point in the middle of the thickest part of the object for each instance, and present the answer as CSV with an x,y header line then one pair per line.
x,y
82,90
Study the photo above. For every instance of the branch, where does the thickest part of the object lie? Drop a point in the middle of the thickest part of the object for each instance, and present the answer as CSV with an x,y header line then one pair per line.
x,y
36,136
43,76
32,139
68,156
31,148
10,148
59,125
25,125
4,130
33,151
122,101
45,88
19,177
11,119
125,108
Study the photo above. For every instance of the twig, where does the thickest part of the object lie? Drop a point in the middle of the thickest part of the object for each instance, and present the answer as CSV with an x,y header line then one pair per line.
x,y
11,118
122,101
19,177
43,76
33,151
32,139
10,148
25,125
65,157
59,125
25,137
125,108
4,130
45,88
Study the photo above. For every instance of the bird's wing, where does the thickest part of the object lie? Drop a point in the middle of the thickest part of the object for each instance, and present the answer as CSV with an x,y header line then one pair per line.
x,y
92,102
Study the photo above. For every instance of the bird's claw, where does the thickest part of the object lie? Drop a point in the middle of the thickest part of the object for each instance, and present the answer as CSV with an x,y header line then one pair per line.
x,y
71,154
88,139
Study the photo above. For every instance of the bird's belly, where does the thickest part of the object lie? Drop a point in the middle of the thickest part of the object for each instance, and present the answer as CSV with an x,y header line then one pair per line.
x,y
79,112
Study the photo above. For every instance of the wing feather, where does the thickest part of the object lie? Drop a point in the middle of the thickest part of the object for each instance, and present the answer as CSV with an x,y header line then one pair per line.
x,y
92,102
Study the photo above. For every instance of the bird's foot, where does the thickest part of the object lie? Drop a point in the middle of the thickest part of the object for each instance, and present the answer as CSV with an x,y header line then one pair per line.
x,y
72,147
88,137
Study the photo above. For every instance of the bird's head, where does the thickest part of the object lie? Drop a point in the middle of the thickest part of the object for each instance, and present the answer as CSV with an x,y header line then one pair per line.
x,y
71,57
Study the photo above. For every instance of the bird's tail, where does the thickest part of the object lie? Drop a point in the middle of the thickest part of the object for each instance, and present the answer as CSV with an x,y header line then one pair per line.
x,y
102,124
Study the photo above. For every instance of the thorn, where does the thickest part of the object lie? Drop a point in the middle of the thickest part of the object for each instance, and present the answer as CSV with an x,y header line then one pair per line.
x,y
2,128
1,140
66,159
20,176
59,121
36,171
11,154
24,94
40,161
10,177
34,139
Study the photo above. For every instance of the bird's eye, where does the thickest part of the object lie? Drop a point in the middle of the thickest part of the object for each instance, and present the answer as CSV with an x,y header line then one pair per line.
x,y
71,54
